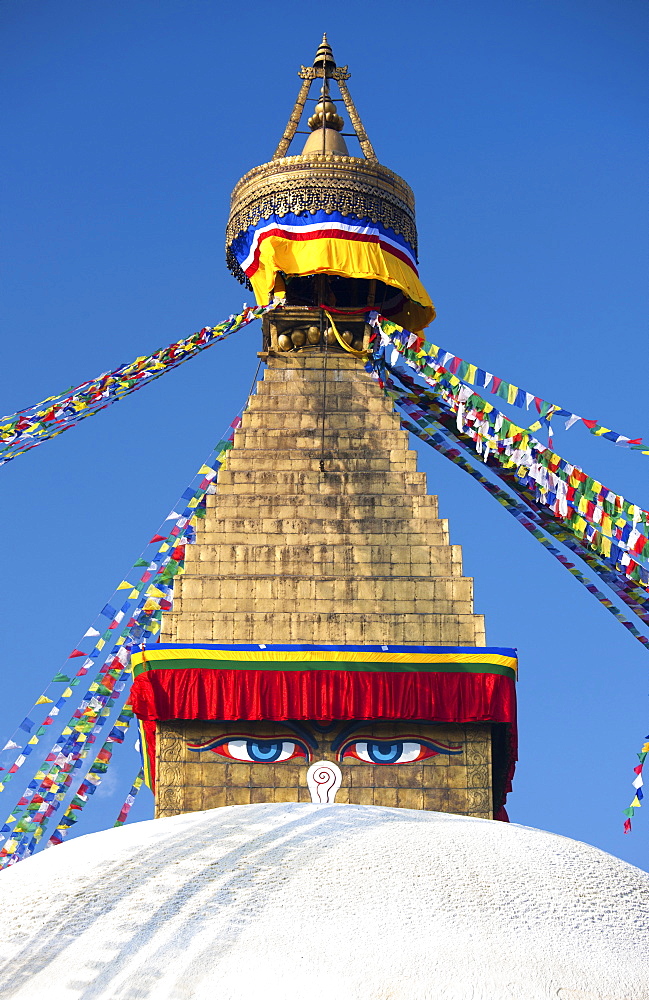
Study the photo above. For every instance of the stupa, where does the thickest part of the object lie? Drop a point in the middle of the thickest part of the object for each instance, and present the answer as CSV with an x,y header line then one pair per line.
x,y
323,615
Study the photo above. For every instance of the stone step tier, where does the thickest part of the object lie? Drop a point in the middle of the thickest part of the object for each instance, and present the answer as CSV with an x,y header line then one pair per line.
x,y
353,554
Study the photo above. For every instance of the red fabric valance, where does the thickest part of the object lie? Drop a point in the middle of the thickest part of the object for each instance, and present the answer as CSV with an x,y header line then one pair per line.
x,y
323,695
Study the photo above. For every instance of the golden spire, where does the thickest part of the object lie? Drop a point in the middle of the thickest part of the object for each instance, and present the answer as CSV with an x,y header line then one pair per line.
x,y
324,57
316,187
325,114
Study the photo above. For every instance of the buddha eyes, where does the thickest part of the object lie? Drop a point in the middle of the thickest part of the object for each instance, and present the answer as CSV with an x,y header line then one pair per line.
x,y
252,750
255,751
395,751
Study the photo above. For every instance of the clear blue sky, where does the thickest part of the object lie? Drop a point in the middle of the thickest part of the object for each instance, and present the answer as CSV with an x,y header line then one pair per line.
x,y
521,126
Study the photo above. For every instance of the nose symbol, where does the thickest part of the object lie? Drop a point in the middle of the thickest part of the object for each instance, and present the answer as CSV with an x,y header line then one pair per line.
x,y
323,779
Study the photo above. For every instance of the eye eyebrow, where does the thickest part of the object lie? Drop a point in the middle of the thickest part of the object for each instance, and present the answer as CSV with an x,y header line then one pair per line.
x,y
218,741
353,727
427,741
299,730
347,731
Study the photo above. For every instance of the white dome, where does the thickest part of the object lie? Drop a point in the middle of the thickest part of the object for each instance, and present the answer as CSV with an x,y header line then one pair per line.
x,y
275,902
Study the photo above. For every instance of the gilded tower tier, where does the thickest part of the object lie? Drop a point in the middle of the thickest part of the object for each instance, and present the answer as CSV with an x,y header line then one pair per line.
x,y
323,613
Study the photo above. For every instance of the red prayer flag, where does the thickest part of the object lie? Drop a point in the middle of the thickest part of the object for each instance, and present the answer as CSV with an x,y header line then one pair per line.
x,y
158,538
76,652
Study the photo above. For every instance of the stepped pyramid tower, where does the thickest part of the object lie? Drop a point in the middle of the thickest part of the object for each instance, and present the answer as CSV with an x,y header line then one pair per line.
x,y
323,614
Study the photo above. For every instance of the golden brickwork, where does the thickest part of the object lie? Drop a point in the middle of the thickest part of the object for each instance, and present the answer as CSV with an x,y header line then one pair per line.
x,y
290,554
190,780
287,553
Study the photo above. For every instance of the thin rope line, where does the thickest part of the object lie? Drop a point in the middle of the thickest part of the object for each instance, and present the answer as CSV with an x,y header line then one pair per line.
x,y
324,393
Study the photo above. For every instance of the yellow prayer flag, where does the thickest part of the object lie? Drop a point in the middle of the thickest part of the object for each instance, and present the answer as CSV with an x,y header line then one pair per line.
x,y
33,741
44,701
470,374
101,643
636,802
67,693
124,585
512,393
66,731
134,593
205,470
164,547
536,426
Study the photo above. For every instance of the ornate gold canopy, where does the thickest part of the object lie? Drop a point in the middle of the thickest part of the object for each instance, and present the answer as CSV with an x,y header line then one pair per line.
x,y
322,188
324,176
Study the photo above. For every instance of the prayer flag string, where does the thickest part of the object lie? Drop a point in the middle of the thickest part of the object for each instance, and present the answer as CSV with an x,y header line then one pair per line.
x,y
637,785
607,523
451,411
135,623
130,799
90,783
423,410
31,426
471,374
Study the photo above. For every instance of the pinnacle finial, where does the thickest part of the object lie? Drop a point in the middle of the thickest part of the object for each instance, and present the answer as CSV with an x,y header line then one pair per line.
x,y
324,57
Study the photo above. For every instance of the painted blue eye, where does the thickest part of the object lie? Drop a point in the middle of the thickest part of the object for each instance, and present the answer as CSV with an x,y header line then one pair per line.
x,y
384,753
253,751
265,751
407,751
